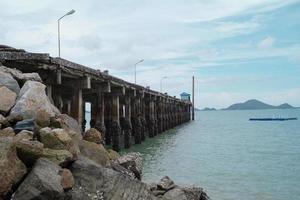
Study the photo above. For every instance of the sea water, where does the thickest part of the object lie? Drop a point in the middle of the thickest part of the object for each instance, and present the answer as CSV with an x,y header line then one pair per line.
x,y
231,157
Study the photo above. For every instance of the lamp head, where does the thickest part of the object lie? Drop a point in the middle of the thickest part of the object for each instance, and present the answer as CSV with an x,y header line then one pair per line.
x,y
71,12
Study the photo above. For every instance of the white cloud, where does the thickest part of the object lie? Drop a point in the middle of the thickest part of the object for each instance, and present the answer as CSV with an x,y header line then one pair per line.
x,y
266,43
175,37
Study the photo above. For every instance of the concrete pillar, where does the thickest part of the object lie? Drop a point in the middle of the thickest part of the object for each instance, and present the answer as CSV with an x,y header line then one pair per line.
x,y
115,126
77,101
126,123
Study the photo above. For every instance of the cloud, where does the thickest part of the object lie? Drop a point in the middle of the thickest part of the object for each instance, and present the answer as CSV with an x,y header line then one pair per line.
x,y
177,38
266,43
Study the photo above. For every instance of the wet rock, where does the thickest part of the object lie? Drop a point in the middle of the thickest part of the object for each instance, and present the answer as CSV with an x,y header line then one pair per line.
x,y
95,152
29,151
93,181
7,80
195,193
175,194
22,77
32,100
11,168
27,124
68,123
24,135
133,162
93,135
113,155
7,132
43,182
58,139
7,99
67,179
166,184
123,170
59,157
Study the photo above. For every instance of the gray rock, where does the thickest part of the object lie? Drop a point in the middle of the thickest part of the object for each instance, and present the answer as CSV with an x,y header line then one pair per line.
x,y
166,184
8,81
95,152
195,193
92,181
133,162
7,99
43,182
66,122
33,103
18,75
175,194
27,124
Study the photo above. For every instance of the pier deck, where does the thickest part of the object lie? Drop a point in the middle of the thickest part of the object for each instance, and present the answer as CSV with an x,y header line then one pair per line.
x,y
124,112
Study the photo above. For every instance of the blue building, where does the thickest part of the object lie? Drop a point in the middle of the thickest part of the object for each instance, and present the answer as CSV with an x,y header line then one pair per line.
x,y
185,96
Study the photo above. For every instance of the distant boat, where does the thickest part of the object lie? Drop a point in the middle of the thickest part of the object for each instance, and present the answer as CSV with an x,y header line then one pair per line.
x,y
273,119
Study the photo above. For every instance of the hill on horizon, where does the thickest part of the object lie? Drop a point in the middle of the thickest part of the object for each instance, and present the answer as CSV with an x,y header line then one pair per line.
x,y
254,104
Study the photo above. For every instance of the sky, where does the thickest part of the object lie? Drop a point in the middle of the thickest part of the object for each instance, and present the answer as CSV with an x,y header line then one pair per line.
x,y
237,50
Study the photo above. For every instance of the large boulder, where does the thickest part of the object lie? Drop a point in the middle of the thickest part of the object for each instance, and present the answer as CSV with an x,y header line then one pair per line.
x,y
93,181
175,194
29,151
113,155
32,102
26,124
60,157
195,193
58,139
8,81
43,182
22,77
66,122
11,167
7,99
95,152
93,135
7,132
133,162
67,179
166,184
24,135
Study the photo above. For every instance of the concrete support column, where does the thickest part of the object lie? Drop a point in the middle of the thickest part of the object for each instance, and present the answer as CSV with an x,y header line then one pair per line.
x,y
126,124
98,110
151,118
143,109
77,102
136,121
115,126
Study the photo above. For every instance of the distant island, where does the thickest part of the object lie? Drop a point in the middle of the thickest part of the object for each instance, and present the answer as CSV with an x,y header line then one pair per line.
x,y
254,104
208,109
251,104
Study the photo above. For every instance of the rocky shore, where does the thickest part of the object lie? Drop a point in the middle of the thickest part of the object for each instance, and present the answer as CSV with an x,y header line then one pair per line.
x,y
44,155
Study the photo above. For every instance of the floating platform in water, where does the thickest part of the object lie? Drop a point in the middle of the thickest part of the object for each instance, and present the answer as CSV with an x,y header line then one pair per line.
x,y
273,119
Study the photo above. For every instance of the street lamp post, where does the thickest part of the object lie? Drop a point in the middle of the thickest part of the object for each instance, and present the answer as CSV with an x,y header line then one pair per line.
x,y
135,69
58,28
161,83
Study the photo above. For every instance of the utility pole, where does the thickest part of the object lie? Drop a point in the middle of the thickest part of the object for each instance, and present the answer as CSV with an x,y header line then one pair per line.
x,y
193,96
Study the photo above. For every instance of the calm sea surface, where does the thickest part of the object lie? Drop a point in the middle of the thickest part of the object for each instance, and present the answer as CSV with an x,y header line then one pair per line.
x,y
229,156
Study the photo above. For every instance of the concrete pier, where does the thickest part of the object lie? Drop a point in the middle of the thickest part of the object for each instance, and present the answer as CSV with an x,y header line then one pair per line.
x,y
125,113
